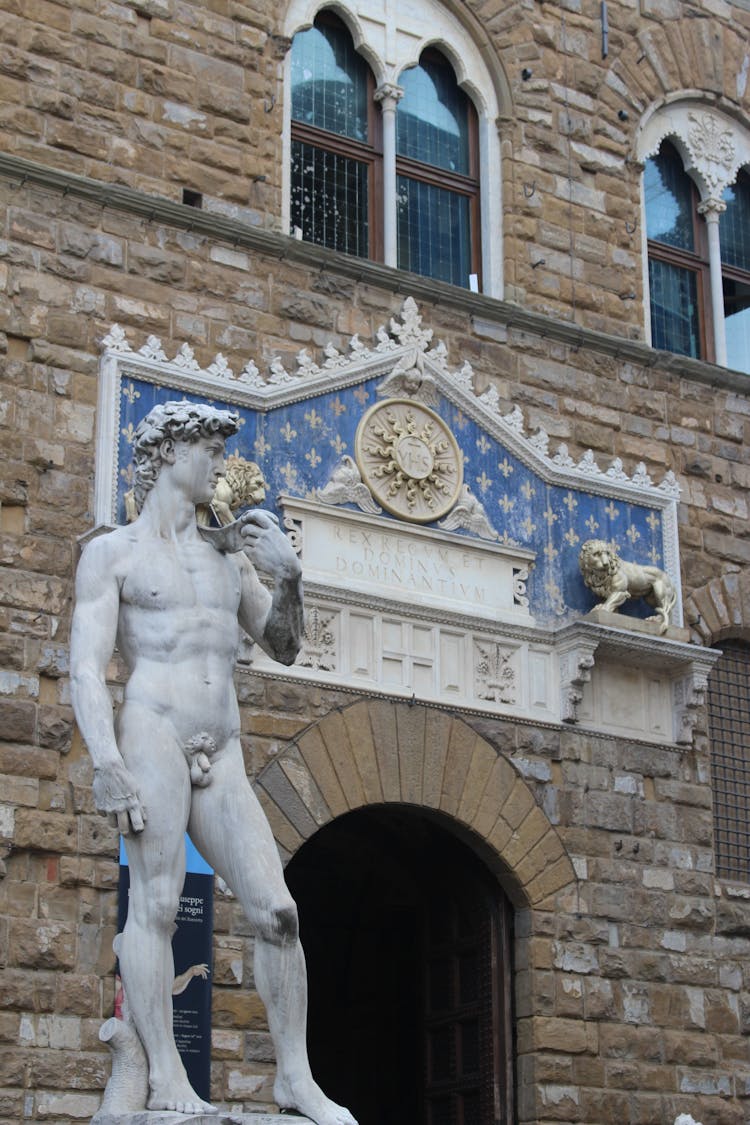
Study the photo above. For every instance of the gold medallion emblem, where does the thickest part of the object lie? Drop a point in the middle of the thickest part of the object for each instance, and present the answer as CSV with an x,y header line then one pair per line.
x,y
409,460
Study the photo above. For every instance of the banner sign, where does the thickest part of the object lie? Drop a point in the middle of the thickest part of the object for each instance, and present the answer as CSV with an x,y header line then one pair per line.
x,y
191,946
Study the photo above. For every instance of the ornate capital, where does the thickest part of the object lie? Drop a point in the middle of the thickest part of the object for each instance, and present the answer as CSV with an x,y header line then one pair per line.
x,y
711,208
389,94
713,151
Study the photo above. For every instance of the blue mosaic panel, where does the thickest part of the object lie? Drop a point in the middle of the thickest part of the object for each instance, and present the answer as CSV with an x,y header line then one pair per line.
x,y
297,447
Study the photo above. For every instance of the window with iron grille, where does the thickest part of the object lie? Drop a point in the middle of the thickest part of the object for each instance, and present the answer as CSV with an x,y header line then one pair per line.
x,y
336,155
340,165
729,725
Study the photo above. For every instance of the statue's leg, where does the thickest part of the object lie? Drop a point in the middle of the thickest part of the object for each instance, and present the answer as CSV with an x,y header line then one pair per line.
x,y
615,600
157,873
230,829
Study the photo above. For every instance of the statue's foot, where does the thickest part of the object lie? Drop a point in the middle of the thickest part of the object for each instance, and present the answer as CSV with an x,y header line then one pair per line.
x,y
179,1097
307,1098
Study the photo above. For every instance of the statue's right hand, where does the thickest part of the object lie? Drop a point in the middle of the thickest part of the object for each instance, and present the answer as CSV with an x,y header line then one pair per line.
x,y
116,795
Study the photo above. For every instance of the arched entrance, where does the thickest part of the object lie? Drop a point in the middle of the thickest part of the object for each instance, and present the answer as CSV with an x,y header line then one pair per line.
x,y
407,936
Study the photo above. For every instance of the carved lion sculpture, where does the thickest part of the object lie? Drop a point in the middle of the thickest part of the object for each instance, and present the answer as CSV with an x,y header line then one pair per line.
x,y
614,581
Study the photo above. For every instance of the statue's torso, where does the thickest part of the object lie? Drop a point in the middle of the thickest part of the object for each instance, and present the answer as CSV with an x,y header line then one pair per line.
x,y
178,633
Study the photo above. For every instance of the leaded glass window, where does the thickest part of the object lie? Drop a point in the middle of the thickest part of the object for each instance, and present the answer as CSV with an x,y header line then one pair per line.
x,y
675,322
677,257
734,236
437,185
334,157
669,201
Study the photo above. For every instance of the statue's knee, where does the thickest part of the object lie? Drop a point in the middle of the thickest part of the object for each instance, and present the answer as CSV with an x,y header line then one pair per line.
x,y
161,912
280,924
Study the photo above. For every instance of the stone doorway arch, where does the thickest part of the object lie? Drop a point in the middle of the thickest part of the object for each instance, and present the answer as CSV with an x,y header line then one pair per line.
x,y
378,751
383,753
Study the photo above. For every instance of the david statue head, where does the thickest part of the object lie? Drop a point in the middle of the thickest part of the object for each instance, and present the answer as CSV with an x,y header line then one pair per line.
x,y
170,595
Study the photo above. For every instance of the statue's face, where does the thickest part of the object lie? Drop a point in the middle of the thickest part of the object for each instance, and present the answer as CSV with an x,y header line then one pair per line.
x,y
198,466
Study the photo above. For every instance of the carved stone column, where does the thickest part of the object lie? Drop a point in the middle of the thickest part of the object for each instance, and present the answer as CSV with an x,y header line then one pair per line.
x,y
711,209
389,96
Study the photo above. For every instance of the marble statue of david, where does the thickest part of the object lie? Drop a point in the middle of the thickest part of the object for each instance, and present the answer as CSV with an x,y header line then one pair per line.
x,y
172,761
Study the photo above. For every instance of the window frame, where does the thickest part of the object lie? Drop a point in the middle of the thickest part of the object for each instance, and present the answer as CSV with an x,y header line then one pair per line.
x,y
714,149
696,261
479,74
370,153
468,185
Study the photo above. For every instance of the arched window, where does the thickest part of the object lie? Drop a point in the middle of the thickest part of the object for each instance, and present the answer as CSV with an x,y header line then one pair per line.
x,y
677,256
698,233
729,725
437,168
391,142
335,158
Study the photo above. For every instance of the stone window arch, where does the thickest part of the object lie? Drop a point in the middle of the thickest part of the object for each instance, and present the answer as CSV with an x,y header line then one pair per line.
x,y
696,223
395,44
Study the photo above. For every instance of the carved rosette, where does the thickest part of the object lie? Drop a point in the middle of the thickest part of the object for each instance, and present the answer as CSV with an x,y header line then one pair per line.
x,y
409,459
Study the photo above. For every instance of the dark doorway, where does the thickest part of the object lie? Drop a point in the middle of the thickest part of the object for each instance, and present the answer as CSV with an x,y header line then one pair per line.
x,y
407,939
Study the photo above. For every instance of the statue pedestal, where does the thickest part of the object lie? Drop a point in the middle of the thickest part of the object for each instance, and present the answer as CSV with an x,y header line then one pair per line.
x,y
165,1117
636,625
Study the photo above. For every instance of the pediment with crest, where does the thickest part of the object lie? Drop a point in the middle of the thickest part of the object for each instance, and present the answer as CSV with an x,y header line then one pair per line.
x,y
499,487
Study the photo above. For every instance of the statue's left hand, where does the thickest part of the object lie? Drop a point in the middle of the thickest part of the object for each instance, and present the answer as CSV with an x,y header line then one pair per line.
x,y
266,546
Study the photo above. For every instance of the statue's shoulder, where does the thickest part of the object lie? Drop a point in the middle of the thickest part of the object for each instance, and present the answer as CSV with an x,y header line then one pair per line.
x,y
109,548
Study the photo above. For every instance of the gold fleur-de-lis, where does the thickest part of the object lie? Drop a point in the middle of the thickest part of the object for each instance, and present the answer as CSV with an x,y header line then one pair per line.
x,y
612,511
528,527
289,473
338,407
287,432
129,433
361,395
314,458
483,481
128,474
338,444
592,525
571,537
461,420
505,467
261,446
313,419
570,502
633,534
550,516
130,393
654,556
551,552
527,489
506,503
653,521
483,444
555,594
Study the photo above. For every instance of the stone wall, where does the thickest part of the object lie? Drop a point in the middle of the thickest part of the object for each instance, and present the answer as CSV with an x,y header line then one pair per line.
x,y
163,96
632,982
633,988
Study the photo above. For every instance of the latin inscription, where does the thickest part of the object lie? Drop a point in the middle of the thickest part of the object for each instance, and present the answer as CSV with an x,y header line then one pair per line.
x,y
393,560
